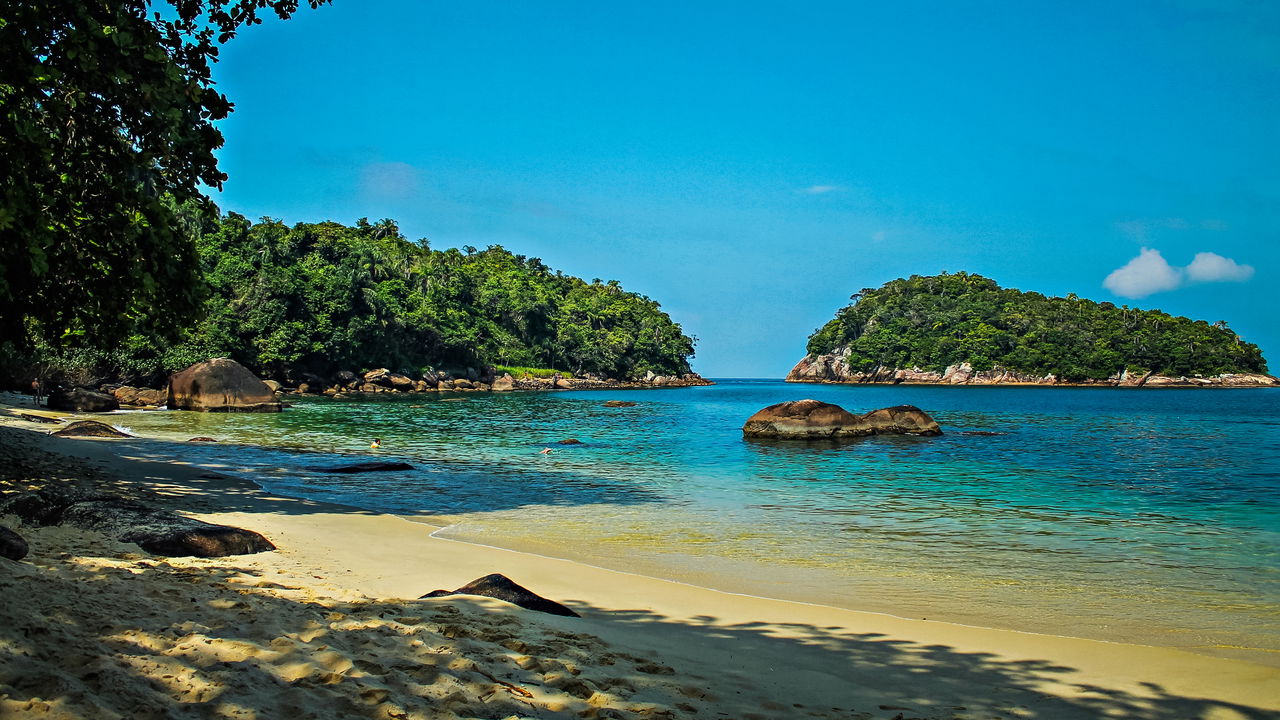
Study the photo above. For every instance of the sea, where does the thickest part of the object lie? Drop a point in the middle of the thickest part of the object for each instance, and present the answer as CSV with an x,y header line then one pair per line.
x,y
1144,516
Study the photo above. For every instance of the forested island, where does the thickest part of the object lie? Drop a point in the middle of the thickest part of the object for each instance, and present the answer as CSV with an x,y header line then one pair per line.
x,y
312,299
962,328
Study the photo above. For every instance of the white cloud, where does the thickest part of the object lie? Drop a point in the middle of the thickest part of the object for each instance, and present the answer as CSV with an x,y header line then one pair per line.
x,y
820,189
1150,273
1144,275
1212,267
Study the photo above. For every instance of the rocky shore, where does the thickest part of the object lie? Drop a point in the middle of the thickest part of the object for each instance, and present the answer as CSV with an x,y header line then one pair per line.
x,y
834,368
108,397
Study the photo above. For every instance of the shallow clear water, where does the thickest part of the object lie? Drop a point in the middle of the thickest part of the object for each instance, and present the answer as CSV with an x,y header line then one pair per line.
x,y
1147,516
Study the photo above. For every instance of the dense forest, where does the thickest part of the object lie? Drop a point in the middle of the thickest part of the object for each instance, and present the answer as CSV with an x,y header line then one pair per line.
x,y
937,321
314,298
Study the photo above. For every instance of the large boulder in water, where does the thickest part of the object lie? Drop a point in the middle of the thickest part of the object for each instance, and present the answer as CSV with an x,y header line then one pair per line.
x,y
220,385
814,420
90,428
82,400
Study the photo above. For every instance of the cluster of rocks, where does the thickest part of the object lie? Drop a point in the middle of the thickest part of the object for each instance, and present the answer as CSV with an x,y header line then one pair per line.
x,y
157,531
834,368
223,385
815,420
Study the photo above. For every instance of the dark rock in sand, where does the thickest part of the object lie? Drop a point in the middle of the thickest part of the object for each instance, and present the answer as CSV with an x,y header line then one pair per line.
x,y
162,532
12,545
814,420
619,403
156,531
220,385
363,467
90,428
501,587
46,505
38,418
82,400
202,439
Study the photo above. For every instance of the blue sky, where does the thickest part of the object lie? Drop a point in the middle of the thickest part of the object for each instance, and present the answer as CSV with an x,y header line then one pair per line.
x,y
750,165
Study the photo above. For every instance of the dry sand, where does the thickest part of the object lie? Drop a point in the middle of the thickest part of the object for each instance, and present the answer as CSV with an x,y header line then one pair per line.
x,y
327,627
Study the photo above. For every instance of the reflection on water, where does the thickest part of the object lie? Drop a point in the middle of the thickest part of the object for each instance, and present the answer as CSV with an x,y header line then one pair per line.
x,y
1136,515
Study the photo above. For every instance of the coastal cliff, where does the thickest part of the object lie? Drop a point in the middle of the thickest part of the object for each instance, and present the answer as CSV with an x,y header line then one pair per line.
x,y
834,368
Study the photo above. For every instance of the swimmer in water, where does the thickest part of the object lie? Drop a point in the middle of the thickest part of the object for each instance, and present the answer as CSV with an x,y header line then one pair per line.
x,y
545,451
377,443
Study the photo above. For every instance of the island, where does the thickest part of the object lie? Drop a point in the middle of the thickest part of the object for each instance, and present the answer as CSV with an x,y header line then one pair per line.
x,y
964,329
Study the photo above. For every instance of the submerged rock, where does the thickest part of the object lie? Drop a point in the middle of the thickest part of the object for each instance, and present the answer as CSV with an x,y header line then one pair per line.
x,y
90,428
618,403
814,420
503,588
12,545
363,467
220,385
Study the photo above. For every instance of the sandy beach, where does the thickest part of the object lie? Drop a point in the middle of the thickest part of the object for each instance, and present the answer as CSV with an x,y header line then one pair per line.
x,y
328,626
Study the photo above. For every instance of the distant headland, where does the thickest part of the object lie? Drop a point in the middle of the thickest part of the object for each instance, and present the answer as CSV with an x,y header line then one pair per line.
x,y
964,329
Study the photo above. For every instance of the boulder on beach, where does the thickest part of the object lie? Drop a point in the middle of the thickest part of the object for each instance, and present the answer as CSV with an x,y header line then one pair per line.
x,y
82,400
363,467
90,428
814,420
157,531
220,385
12,545
503,588
128,395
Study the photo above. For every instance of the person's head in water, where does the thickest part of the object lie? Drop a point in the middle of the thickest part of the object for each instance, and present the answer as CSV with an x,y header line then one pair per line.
x,y
377,443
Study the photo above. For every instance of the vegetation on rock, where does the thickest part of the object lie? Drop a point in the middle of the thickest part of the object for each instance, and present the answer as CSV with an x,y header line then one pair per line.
x,y
932,322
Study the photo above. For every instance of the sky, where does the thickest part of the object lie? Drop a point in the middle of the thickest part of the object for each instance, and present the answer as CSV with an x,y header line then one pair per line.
x,y
751,165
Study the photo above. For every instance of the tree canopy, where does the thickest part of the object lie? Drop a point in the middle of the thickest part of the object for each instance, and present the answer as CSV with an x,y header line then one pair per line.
x,y
932,322
319,297
106,124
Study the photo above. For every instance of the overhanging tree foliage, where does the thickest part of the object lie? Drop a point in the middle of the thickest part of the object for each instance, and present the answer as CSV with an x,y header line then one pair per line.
x,y
932,322
106,124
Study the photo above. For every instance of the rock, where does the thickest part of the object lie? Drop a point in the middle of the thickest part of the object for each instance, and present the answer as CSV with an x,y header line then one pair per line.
x,y
400,382
570,441
618,403
363,467
506,383
462,384
381,376
501,587
202,439
82,400
305,388
162,532
421,386
39,418
272,385
814,420
561,383
46,505
220,385
12,545
90,428
332,391
156,398
345,377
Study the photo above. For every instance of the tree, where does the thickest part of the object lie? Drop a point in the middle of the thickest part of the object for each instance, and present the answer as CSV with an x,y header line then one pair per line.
x,y
106,135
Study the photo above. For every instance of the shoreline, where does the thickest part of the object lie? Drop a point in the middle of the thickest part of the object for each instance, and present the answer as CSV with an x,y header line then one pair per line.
x,y
875,594
812,654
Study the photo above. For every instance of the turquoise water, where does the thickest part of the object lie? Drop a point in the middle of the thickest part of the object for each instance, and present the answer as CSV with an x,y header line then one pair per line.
x,y
1141,516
